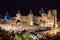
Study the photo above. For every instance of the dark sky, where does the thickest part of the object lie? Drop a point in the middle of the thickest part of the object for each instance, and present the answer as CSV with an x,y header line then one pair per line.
x,y
25,5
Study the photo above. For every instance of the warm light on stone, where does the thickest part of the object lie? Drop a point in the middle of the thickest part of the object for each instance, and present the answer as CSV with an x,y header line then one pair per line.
x,y
31,23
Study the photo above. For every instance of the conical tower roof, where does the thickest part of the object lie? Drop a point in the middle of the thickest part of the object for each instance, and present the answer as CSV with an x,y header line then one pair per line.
x,y
30,12
18,12
41,11
49,13
7,14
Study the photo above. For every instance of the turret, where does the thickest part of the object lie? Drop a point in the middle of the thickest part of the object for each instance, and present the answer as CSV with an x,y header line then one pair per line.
x,y
54,12
42,12
30,16
18,13
49,13
6,17
18,18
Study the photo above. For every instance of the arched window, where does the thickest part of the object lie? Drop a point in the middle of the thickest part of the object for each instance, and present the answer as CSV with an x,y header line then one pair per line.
x,y
18,21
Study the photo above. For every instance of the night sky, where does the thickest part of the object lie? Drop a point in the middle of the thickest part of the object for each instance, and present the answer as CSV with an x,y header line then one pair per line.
x,y
25,5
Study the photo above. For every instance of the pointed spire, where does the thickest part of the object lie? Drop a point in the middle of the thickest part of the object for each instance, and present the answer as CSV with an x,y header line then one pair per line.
x,y
18,11
6,17
30,11
49,13
7,14
42,11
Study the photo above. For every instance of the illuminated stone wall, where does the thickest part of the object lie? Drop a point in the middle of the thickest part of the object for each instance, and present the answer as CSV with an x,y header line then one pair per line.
x,y
48,19
30,19
27,20
58,23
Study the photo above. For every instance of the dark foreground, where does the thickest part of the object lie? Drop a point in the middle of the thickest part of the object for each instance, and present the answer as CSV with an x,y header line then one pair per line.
x,y
4,35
